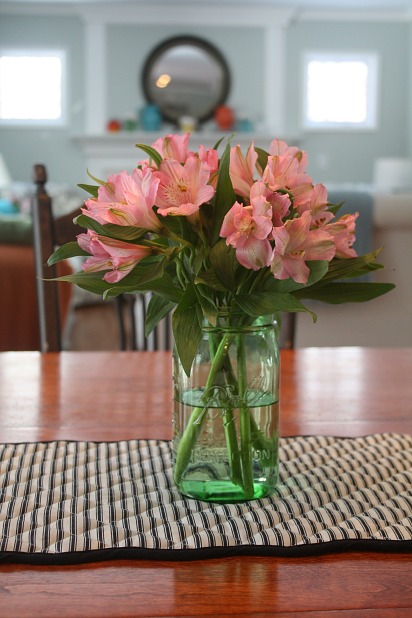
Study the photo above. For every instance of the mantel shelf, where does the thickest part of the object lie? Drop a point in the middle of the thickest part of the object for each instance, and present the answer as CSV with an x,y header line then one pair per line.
x,y
121,139
108,153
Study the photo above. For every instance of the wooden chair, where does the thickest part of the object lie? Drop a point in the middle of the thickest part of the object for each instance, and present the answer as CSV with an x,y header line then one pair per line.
x,y
288,331
50,232
161,338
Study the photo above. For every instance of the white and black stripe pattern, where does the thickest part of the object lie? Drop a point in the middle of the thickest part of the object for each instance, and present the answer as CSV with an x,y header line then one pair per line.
x,y
77,501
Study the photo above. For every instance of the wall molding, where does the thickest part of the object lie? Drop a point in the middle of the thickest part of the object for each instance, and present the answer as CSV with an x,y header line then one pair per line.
x,y
111,152
258,13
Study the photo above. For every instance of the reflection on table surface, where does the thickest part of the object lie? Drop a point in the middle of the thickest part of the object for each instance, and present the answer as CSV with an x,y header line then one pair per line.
x,y
124,395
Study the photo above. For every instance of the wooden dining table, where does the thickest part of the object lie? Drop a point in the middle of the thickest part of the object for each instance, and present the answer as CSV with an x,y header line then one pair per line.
x,y
101,396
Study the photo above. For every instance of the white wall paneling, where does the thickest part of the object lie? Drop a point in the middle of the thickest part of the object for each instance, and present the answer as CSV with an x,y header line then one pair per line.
x,y
273,22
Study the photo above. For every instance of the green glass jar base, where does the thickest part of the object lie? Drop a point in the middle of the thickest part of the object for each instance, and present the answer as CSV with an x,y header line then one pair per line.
x,y
223,491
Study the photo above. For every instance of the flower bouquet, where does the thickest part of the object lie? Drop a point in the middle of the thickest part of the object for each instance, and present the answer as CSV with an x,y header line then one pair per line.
x,y
227,243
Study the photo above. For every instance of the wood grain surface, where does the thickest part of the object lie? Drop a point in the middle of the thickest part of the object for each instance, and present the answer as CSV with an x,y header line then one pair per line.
x,y
123,395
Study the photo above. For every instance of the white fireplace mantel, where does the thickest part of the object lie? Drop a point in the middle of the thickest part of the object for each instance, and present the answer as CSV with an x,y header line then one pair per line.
x,y
106,153
272,20
109,153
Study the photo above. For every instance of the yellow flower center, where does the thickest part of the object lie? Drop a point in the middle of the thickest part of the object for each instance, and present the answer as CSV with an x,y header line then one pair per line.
x,y
297,253
245,226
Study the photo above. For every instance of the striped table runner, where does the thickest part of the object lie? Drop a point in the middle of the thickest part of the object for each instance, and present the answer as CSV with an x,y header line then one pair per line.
x,y
67,501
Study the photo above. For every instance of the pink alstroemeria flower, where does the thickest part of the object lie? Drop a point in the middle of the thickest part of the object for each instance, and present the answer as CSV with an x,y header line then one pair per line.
x,y
280,202
296,244
242,169
279,148
108,254
313,198
173,147
211,157
126,200
286,172
183,188
247,229
343,233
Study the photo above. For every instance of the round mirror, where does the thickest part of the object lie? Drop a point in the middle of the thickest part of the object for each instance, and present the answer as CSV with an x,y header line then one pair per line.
x,y
186,76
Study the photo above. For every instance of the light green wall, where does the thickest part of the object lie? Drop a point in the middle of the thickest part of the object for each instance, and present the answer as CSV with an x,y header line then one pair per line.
x,y
335,157
348,156
22,147
129,46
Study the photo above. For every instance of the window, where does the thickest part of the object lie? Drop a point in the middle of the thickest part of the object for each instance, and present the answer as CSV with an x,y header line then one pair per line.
x,y
340,90
32,87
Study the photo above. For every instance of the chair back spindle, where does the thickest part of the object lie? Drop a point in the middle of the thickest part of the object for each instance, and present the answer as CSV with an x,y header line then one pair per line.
x,y
44,245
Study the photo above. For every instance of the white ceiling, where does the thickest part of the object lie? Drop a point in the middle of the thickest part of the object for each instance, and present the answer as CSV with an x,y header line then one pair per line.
x,y
381,9
386,5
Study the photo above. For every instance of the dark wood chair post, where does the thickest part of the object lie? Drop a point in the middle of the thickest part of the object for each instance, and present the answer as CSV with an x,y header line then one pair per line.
x,y
290,332
43,236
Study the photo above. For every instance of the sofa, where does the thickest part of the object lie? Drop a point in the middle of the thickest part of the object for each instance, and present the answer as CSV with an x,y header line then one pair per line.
x,y
385,321
19,329
18,305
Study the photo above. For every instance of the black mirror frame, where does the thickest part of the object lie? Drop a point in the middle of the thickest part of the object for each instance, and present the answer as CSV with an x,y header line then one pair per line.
x,y
204,45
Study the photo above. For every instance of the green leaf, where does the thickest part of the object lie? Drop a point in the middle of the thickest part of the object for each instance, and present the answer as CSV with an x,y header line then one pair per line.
x,y
92,282
157,309
219,141
223,261
99,182
263,156
147,276
127,233
318,270
152,153
266,303
351,267
334,208
69,250
187,331
124,232
91,224
92,189
224,197
205,298
171,223
346,292
209,278
199,257
165,287
146,271
113,230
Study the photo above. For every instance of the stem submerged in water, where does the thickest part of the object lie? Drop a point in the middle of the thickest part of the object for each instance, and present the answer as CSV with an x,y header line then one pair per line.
x,y
245,434
194,426
227,389
240,461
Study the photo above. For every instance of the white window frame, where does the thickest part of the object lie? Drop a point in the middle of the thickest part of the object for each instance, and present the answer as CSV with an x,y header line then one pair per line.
x,y
40,122
372,61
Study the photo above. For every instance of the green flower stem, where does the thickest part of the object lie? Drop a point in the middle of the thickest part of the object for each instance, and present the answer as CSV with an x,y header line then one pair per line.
x,y
194,426
245,429
228,421
180,273
266,446
260,442
232,447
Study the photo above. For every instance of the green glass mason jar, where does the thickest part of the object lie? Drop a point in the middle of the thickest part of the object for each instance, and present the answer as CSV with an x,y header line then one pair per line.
x,y
226,412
